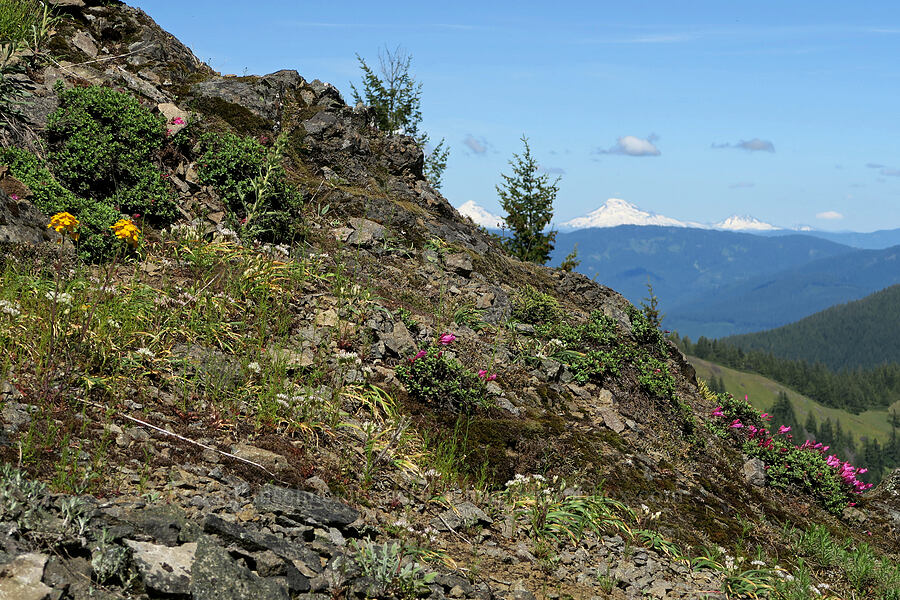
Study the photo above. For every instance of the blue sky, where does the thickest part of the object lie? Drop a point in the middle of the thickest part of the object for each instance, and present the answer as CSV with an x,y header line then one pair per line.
x,y
786,111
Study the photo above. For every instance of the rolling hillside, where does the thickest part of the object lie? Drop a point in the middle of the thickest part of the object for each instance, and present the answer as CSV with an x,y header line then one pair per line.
x,y
685,264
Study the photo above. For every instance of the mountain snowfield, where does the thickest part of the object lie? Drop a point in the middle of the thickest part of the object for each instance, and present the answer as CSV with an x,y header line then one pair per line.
x,y
615,212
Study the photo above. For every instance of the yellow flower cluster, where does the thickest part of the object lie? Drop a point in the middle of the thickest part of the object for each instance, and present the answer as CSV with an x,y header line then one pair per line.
x,y
125,229
66,224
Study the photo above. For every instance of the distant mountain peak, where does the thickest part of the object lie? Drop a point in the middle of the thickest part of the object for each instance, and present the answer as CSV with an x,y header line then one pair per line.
x,y
616,211
744,223
481,216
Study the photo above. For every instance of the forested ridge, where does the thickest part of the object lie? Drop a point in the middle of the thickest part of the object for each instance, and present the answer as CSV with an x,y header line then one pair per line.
x,y
863,333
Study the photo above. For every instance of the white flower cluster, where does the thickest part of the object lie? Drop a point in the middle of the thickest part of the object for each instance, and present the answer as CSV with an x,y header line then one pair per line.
x,y
522,480
344,356
147,352
59,297
186,231
9,308
653,515
254,367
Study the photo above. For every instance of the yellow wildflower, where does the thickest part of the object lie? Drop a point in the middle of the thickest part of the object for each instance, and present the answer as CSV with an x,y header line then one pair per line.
x,y
125,229
65,223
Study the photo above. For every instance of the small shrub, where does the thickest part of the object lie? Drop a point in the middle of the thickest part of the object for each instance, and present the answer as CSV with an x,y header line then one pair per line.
x,y
253,183
434,378
533,306
103,144
645,331
595,365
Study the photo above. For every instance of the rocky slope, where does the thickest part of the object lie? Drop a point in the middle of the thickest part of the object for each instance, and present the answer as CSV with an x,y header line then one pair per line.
x,y
257,420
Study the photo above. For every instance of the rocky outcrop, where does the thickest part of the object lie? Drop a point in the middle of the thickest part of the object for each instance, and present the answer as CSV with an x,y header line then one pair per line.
x,y
21,222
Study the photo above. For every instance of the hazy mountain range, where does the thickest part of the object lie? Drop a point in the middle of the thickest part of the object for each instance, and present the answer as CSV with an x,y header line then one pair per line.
x,y
736,276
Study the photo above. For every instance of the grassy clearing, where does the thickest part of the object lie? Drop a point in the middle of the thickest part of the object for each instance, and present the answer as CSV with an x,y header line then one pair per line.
x,y
762,393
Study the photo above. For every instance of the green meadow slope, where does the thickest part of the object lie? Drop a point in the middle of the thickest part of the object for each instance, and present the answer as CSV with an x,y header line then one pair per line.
x,y
762,392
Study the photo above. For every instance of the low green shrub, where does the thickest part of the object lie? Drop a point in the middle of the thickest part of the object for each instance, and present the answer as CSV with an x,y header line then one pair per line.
x,y
435,378
103,144
262,204
533,306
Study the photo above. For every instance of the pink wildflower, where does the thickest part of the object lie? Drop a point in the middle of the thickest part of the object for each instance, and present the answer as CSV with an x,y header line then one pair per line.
x,y
718,412
13,196
418,355
482,373
783,429
446,339
492,377
736,424
766,416
178,121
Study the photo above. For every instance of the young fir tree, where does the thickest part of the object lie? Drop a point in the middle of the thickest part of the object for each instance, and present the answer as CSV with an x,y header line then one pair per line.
x,y
570,262
650,306
528,199
396,97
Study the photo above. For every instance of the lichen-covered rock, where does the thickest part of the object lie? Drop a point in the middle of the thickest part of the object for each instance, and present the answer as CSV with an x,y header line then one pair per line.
x,y
216,576
164,569
20,579
304,507
22,223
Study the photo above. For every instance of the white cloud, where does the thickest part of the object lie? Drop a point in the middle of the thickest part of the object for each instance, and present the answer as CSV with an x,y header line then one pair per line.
x,y
831,215
475,145
631,145
551,170
754,145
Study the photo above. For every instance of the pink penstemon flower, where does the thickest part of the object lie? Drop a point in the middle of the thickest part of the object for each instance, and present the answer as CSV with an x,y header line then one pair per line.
x,y
418,355
783,429
177,121
718,412
446,339
736,424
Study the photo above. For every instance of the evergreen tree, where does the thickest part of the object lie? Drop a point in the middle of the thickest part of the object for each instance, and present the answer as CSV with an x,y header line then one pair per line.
x,y
811,427
783,412
570,262
650,306
528,199
396,97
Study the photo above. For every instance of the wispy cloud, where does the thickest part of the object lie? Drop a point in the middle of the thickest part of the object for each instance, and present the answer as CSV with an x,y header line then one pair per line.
x,y
477,146
631,145
551,170
890,172
875,165
754,145
742,184
830,215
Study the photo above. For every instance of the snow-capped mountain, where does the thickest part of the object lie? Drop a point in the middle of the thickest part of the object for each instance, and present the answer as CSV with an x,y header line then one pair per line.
x,y
616,211
481,216
744,223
